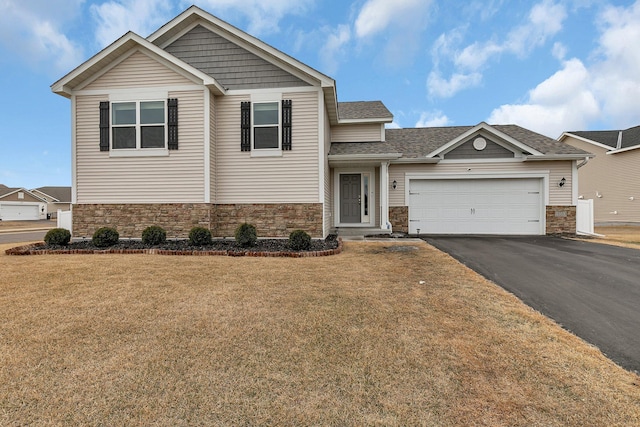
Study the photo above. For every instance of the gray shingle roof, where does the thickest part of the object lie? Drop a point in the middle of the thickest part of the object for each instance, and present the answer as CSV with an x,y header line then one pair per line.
x,y
63,194
419,142
630,137
363,110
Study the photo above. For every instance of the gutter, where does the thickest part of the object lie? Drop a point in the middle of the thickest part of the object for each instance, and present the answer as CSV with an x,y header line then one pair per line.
x,y
554,157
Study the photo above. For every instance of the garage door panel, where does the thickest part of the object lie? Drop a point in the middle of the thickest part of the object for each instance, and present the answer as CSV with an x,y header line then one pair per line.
x,y
482,206
18,212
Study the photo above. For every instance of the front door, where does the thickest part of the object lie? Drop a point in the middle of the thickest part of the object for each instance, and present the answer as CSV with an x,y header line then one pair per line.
x,y
350,198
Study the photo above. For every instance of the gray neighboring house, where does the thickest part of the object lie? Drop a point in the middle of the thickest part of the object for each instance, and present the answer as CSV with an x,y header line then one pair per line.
x,y
20,204
611,177
202,124
56,198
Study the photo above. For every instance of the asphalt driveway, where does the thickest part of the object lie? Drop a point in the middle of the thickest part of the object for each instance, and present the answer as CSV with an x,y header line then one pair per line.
x,y
591,289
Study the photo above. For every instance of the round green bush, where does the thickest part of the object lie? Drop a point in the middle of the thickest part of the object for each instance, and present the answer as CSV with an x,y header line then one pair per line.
x,y
246,235
154,235
57,236
105,237
299,240
199,236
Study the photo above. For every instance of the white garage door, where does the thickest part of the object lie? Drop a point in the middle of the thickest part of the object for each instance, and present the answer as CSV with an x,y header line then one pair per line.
x,y
19,212
476,206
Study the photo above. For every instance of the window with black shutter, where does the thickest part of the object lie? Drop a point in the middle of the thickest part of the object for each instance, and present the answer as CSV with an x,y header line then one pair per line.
x,y
265,126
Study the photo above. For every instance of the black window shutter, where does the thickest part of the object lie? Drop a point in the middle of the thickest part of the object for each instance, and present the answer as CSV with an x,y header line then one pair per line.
x,y
172,123
245,126
104,125
286,124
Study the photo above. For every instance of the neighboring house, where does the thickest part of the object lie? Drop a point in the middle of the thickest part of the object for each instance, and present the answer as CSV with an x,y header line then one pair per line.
x,y
56,198
610,177
203,124
20,204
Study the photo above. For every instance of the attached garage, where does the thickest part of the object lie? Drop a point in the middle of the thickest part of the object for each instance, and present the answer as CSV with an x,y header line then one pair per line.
x,y
19,211
514,206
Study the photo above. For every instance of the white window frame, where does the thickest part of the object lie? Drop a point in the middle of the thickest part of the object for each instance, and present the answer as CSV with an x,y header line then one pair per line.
x,y
266,98
138,97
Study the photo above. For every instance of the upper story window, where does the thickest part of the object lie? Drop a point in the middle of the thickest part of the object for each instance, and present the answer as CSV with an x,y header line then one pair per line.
x,y
135,127
266,125
138,124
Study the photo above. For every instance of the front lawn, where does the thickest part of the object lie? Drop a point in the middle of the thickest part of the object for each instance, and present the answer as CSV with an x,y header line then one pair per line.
x,y
386,333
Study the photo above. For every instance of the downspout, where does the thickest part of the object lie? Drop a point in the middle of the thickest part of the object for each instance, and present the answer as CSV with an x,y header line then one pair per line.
x,y
584,162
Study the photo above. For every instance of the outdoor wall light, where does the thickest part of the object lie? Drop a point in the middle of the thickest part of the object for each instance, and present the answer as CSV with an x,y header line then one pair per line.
x,y
562,182
394,184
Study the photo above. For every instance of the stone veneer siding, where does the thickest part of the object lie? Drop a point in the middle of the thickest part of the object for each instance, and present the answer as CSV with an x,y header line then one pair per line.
x,y
399,218
270,220
561,220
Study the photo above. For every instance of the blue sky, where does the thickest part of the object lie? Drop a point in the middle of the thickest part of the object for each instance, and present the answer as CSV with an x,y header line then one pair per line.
x,y
550,66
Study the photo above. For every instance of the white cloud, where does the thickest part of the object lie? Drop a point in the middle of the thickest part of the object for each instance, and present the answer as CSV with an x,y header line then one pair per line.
x,y
116,17
334,47
433,119
544,21
617,72
33,30
263,16
577,95
376,15
563,101
446,88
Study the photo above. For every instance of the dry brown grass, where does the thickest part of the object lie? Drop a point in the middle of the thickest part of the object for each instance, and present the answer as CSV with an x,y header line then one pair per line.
x,y
22,225
627,236
353,339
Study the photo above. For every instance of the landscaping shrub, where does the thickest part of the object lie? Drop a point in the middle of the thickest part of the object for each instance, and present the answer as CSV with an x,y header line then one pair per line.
x,y
154,235
199,236
299,240
246,235
57,236
105,237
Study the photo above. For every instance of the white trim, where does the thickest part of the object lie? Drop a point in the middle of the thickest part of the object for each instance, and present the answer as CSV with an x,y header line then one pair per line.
x,y
480,161
321,152
383,134
371,196
583,139
138,152
574,183
622,150
381,120
207,146
144,46
384,196
244,40
482,126
74,165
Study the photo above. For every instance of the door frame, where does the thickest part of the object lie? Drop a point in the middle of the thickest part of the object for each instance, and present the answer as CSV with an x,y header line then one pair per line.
x,y
367,179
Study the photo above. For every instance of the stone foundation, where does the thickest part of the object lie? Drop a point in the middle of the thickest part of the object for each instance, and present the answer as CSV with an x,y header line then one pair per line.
x,y
270,220
399,218
561,220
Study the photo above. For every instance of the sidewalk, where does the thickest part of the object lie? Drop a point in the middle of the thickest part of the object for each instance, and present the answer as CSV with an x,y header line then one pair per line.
x,y
28,226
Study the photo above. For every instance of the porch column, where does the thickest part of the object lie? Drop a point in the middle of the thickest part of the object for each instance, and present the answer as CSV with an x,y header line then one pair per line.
x,y
384,196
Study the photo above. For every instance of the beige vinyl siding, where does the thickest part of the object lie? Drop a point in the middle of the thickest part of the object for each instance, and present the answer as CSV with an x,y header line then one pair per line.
x,y
290,178
136,71
176,178
616,177
558,196
356,133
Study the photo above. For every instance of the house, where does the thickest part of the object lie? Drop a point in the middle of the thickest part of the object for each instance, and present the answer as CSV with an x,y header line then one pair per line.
x,y
201,124
56,198
610,177
20,204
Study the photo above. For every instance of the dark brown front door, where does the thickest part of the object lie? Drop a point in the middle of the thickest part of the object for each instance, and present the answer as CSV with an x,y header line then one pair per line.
x,y
350,198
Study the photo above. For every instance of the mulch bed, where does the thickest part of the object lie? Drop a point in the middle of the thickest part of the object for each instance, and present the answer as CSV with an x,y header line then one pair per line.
x,y
332,245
